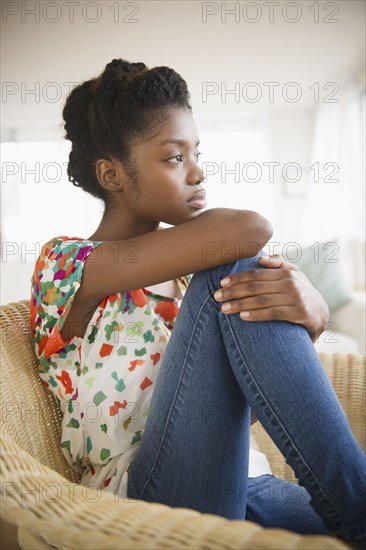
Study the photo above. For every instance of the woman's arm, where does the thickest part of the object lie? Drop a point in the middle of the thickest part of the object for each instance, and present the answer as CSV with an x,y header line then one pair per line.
x,y
159,256
213,238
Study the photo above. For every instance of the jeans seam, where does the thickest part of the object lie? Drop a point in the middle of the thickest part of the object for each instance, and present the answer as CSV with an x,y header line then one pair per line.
x,y
173,400
327,500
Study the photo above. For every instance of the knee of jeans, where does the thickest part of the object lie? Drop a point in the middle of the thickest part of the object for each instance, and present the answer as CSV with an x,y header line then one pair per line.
x,y
247,264
216,274
243,264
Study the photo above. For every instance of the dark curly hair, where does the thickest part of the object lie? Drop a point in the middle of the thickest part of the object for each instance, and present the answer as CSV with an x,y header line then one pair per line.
x,y
105,115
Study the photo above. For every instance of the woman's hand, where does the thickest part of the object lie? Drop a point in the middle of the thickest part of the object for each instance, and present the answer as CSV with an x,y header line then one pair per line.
x,y
280,293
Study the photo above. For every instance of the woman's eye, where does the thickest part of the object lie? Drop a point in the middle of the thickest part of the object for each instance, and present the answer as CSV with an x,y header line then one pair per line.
x,y
177,158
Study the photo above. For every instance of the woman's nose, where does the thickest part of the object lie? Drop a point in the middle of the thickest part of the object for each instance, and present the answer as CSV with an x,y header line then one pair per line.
x,y
196,175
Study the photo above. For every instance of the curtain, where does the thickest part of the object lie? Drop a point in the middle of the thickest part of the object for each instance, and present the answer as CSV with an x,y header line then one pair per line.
x,y
335,203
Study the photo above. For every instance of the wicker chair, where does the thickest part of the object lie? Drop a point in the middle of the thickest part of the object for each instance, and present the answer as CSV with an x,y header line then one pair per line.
x,y
42,496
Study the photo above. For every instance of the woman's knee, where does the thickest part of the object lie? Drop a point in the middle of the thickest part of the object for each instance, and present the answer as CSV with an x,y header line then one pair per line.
x,y
217,273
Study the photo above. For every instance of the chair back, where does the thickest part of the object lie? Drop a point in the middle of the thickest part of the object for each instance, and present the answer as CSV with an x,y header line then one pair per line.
x,y
29,412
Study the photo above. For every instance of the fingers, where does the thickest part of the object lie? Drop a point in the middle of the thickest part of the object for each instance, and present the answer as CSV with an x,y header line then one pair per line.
x,y
271,261
267,294
253,276
280,313
269,302
276,261
260,274
252,289
278,281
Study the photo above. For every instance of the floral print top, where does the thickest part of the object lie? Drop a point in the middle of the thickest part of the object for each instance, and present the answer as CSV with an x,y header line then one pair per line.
x,y
103,381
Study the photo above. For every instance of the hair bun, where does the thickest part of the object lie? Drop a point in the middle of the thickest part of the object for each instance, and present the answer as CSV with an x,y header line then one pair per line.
x,y
118,69
115,74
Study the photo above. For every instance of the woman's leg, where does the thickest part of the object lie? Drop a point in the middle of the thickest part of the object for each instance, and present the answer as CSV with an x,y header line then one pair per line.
x,y
194,451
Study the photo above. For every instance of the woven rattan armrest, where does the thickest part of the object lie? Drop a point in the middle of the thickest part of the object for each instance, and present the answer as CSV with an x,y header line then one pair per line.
x,y
52,511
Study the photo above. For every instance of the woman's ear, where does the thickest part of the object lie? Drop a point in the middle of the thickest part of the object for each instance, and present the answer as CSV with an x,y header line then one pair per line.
x,y
110,174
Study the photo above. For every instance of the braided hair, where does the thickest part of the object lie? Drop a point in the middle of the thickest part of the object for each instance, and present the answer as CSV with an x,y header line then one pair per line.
x,y
105,115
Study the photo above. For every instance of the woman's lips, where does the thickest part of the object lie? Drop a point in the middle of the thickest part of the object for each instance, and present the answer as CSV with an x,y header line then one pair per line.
x,y
198,203
199,200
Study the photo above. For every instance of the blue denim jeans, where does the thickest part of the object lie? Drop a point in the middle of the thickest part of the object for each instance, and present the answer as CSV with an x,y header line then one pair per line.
x,y
195,447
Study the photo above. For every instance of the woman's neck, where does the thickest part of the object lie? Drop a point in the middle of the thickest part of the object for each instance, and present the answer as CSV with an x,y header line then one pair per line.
x,y
119,227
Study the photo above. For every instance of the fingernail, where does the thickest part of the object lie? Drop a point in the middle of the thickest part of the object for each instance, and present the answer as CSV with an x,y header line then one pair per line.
x,y
226,307
244,314
218,295
225,281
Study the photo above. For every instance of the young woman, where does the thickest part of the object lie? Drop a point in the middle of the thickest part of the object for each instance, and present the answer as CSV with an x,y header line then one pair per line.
x,y
164,415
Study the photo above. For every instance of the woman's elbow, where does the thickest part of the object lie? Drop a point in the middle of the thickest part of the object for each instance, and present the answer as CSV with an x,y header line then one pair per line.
x,y
255,231
265,229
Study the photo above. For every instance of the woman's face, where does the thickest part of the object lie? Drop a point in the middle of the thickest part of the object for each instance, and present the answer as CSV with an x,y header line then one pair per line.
x,y
167,171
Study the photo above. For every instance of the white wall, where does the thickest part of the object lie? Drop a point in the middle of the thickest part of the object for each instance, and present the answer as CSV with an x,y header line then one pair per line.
x,y
292,139
225,49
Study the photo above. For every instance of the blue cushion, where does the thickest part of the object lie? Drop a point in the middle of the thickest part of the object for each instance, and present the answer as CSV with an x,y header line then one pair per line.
x,y
320,263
